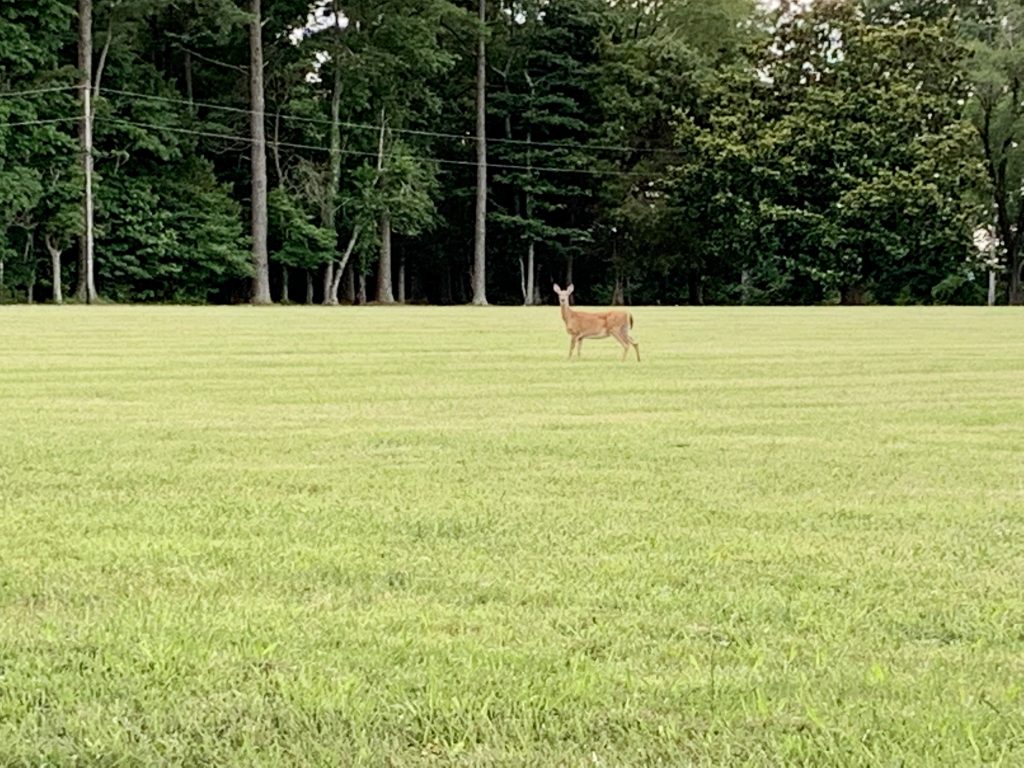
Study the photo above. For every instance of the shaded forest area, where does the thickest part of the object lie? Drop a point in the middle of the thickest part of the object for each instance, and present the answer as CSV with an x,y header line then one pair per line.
x,y
447,151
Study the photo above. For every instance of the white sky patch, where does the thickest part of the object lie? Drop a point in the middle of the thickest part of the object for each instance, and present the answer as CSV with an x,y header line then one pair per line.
x,y
773,5
321,58
519,16
321,16
987,243
985,239
833,52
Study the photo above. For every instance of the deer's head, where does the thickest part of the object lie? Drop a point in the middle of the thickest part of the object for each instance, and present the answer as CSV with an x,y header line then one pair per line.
x,y
563,296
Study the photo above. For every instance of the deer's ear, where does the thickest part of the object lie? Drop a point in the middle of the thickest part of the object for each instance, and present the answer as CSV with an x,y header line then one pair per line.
x,y
557,289
569,289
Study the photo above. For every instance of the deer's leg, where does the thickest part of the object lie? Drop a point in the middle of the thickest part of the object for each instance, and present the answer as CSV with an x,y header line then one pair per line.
x,y
579,347
572,345
621,337
630,340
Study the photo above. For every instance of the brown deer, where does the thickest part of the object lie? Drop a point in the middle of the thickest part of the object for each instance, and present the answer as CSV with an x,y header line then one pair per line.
x,y
595,325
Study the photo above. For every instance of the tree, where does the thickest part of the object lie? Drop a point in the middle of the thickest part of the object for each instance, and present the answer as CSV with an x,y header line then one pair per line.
x,y
86,290
546,101
479,276
260,259
670,151
395,49
848,167
996,72
376,64
38,193
660,61
298,242
328,218
60,221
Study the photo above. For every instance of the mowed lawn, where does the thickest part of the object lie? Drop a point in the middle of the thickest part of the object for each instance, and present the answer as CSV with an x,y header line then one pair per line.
x,y
419,536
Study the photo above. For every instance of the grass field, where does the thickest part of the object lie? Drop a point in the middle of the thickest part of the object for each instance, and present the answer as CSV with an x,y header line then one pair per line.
x,y
419,536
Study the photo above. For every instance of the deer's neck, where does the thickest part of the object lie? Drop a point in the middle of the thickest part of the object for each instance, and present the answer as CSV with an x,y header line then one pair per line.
x,y
566,312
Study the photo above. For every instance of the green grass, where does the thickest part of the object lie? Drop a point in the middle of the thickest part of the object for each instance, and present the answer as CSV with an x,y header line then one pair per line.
x,y
419,536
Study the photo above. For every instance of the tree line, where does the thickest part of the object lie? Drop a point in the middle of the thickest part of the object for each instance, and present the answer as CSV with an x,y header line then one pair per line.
x,y
454,151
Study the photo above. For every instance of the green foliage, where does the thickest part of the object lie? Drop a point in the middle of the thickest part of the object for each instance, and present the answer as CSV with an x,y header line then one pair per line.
x,y
30,37
407,189
996,73
842,162
661,152
36,153
170,235
656,65
297,240
964,288
545,100
20,191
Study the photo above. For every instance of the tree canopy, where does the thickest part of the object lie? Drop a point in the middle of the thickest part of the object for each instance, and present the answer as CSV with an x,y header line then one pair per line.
x,y
726,151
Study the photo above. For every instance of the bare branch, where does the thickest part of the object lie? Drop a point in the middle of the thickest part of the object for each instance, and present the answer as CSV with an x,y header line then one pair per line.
x,y
207,59
102,63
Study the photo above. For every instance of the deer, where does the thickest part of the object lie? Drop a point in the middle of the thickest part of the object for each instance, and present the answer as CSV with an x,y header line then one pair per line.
x,y
595,325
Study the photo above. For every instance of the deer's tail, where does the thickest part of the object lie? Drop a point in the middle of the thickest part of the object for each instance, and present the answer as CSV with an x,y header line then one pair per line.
x,y
630,319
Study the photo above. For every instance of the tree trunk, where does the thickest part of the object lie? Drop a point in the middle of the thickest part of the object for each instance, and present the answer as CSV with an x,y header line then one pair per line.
x,y
401,280
1008,232
86,290
328,213
361,294
480,228
385,294
275,148
58,294
329,277
528,209
29,259
350,284
696,287
284,283
618,298
260,259
568,269
188,82
339,270
102,63
1015,294
530,274
852,295
309,286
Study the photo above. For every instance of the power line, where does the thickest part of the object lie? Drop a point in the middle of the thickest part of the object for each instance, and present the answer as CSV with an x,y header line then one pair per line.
x,y
359,153
226,136
409,131
47,121
317,148
348,124
34,91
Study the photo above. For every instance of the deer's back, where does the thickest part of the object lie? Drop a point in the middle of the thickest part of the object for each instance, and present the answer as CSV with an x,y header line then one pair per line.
x,y
589,321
